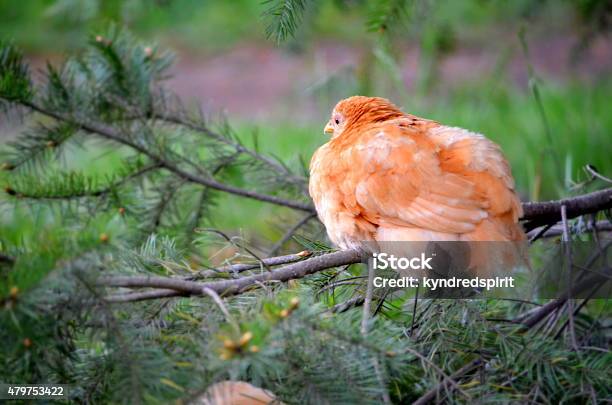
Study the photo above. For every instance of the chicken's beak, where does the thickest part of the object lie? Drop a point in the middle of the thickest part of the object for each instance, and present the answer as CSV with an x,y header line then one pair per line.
x,y
329,129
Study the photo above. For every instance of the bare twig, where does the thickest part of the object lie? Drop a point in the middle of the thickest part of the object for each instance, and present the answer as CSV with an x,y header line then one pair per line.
x,y
533,317
348,304
541,232
364,332
385,392
368,301
146,295
593,172
241,267
239,245
431,394
568,267
414,308
289,233
551,230
194,126
215,297
229,287
576,311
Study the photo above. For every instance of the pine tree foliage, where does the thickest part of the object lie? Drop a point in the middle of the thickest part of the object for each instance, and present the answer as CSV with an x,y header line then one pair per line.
x,y
285,17
151,216
15,82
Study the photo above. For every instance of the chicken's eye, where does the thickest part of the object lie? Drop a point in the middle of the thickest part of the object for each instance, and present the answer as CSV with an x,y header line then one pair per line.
x,y
337,121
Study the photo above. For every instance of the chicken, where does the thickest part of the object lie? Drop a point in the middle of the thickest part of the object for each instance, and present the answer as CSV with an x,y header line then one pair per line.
x,y
390,176
236,393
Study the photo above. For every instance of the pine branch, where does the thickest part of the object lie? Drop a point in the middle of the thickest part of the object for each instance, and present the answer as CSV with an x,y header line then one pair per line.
x,y
109,133
237,286
285,16
237,146
289,233
348,304
74,186
533,317
241,267
430,395
527,321
15,84
34,145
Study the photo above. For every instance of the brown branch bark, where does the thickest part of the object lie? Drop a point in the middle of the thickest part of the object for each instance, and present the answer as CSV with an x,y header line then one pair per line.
x,y
542,213
241,267
228,287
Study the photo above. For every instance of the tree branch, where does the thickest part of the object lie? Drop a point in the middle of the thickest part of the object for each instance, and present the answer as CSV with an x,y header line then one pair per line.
x,y
89,193
189,124
241,267
541,213
533,317
108,133
557,230
231,287
289,233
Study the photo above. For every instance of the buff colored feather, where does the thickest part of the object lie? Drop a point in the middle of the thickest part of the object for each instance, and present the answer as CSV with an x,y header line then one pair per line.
x,y
236,393
390,176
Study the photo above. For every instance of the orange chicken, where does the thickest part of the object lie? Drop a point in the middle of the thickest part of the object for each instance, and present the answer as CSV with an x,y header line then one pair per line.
x,y
390,176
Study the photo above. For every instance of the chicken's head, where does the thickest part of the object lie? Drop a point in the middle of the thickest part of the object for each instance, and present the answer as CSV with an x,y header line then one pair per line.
x,y
360,110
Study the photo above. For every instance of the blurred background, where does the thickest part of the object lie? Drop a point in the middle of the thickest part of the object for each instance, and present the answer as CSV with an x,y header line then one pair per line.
x,y
532,76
